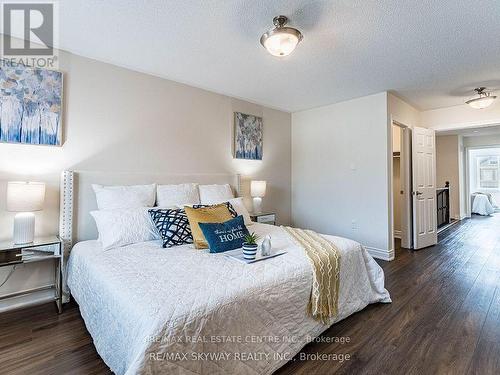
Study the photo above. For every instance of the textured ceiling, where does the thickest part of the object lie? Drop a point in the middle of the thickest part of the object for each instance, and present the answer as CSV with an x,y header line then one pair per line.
x,y
432,53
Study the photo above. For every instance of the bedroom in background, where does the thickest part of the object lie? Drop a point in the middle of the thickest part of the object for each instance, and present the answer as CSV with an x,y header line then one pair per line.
x,y
467,161
483,171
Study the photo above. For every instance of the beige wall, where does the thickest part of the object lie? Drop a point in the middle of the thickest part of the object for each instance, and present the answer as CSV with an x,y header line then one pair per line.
x,y
448,169
340,171
402,112
396,138
120,120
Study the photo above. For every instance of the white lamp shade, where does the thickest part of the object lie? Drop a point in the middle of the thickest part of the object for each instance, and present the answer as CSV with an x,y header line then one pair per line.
x,y
25,196
258,189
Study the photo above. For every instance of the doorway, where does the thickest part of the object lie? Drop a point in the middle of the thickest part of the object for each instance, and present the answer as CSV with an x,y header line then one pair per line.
x,y
401,186
483,180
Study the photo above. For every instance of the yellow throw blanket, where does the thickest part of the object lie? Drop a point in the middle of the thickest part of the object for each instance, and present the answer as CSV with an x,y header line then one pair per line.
x,y
325,260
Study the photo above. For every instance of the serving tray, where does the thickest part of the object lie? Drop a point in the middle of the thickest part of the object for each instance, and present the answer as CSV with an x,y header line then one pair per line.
x,y
238,255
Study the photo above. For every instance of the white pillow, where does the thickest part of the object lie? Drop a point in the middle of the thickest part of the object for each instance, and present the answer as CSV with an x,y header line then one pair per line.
x,y
124,226
214,194
240,208
177,195
115,197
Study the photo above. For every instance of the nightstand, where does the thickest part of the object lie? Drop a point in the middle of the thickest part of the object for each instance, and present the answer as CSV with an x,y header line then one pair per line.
x,y
42,249
264,217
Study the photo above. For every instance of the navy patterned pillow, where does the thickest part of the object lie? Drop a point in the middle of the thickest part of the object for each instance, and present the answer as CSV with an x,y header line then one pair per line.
x,y
173,226
230,207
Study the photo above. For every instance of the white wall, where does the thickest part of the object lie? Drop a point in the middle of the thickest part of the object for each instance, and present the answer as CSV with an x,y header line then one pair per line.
x,y
340,171
120,120
448,168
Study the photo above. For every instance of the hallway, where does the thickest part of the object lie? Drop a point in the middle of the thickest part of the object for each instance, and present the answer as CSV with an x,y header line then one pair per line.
x,y
445,314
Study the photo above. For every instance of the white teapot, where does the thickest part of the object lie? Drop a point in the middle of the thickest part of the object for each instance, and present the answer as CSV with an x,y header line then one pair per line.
x,y
266,246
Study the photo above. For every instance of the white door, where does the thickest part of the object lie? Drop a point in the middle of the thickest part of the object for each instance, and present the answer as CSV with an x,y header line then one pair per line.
x,y
424,188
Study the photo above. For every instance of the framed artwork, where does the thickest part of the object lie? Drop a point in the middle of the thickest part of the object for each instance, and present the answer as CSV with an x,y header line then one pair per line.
x,y
30,105
248,134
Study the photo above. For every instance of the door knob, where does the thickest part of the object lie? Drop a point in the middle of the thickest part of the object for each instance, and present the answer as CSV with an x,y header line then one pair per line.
x,y
417,193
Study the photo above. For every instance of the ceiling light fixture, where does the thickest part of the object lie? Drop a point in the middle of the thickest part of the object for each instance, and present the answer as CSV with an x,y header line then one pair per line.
x,y
484,100
282,40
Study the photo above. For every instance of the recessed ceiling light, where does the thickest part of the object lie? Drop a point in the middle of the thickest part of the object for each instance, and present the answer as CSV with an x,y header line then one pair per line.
x,y
282,40
484,100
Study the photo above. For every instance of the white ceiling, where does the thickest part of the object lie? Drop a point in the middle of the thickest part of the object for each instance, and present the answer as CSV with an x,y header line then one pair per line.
x,y
430,52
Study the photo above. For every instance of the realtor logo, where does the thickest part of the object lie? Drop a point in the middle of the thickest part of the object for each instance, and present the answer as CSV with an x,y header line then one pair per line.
x,y
28,30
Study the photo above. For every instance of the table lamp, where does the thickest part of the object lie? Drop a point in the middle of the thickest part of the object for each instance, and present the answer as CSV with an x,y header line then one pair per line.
x,y
257,191
25,198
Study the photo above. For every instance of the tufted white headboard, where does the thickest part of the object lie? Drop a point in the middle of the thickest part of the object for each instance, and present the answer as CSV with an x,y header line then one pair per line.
x,y
78,198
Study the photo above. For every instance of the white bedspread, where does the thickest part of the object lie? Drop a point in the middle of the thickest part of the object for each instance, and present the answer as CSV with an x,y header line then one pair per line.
x,y
154,310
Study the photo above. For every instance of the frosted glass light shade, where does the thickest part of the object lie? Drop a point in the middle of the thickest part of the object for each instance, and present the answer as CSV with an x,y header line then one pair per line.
x,y
481,103
282,40
281,43
258,189
25,196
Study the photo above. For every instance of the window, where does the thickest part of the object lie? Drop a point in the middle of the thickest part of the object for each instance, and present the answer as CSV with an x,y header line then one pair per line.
x,y
488,172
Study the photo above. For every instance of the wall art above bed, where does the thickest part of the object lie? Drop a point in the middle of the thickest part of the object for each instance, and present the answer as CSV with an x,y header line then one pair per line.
x,y
30,105
248,134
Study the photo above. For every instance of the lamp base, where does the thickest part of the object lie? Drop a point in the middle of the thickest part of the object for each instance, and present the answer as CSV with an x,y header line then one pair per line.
x,y
257,205
24,228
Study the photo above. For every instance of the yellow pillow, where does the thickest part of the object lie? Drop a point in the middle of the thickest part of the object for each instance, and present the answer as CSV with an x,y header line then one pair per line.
x,y
218,213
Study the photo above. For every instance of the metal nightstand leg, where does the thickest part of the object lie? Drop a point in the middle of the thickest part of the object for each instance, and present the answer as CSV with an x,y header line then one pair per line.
x,y
58,285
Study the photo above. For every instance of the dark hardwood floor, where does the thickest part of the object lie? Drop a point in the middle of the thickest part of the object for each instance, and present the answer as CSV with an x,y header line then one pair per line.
x,y
444,319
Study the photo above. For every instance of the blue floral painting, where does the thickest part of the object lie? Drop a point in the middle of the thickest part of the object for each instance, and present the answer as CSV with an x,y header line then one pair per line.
x,y
247,136
30,105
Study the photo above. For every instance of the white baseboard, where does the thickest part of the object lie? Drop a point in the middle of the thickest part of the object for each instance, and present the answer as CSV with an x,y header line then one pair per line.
x,y
398,234
380,253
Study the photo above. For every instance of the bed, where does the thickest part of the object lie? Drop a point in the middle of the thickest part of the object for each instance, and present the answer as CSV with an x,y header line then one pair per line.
x,y
482,204
185,311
